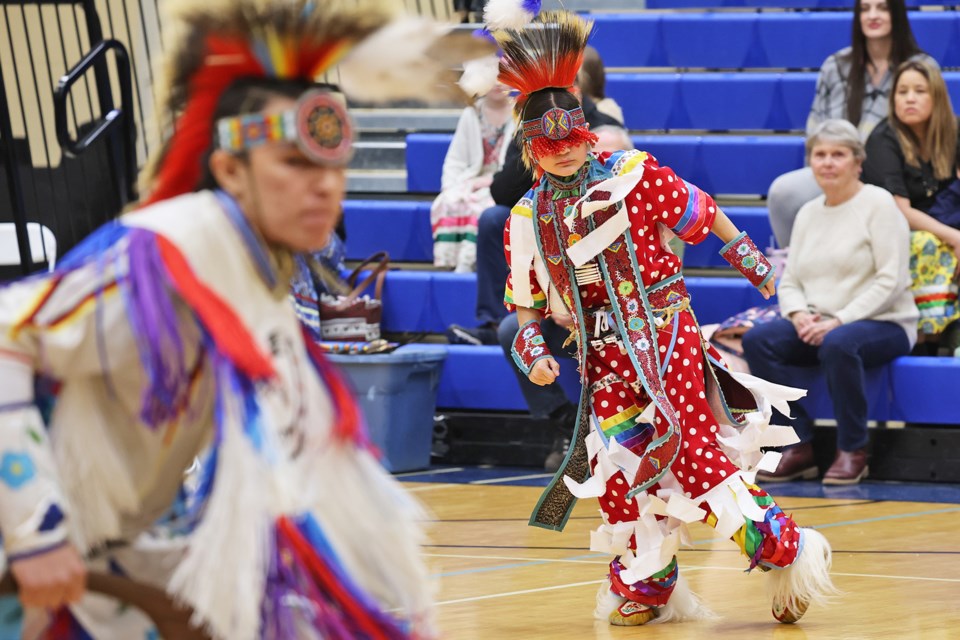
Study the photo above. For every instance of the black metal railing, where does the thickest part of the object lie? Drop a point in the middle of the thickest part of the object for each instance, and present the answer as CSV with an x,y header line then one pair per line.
x,y
70,156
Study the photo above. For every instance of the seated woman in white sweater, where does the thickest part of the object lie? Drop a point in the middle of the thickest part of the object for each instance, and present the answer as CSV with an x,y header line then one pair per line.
x,y
845,301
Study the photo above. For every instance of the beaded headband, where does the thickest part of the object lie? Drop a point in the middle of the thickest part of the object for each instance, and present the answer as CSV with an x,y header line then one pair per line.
x,y
555,124
319,125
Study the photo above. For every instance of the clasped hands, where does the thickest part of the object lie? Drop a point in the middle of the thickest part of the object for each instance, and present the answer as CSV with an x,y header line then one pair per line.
x,y
812,327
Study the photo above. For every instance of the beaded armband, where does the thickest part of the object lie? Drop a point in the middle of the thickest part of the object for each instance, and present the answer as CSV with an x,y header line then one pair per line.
x,y
744,256
528,347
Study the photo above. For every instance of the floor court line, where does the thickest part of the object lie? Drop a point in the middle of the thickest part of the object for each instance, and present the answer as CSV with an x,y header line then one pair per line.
x,y
433,487
532,476
506,594
895,516
573,560
435,472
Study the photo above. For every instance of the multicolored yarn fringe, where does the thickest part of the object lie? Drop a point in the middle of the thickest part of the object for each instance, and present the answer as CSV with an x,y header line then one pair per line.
x,y
654,591
773,543
307,588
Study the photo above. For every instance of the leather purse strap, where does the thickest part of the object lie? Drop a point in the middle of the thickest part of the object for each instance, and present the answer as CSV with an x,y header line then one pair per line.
x,y
378,273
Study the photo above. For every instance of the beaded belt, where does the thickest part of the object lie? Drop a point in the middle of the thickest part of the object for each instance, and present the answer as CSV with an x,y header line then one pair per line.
x,y
667,298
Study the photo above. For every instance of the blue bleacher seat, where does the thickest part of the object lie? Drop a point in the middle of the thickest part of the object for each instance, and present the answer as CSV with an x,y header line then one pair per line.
x,y
911,389
711,40
650,100
482,379
424,159
736,40
402,227
641,31
718,101
923,389
430,301
772,4
727,164
722,101
753,220
399,227
719,165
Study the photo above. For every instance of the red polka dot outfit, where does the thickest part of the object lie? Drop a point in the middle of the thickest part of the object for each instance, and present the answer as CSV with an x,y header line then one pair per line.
x,y
660,201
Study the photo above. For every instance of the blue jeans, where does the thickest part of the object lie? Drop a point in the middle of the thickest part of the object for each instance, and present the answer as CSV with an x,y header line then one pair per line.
x,y
846,351
492,265
542,401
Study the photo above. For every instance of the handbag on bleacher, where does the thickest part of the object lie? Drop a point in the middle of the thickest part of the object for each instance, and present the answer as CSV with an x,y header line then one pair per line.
x,y
355,317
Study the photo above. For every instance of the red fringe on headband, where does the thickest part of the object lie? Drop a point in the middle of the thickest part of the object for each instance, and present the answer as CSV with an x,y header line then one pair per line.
x,y
543,146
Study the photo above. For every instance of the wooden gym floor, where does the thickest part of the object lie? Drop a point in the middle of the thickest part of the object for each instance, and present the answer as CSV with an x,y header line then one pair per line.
x,y
896,558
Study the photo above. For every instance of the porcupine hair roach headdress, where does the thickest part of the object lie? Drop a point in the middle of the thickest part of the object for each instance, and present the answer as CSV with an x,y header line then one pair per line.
x,y
544,57
215,43
380,56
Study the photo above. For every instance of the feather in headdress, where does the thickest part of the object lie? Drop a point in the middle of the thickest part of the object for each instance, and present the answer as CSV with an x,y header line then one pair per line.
x,y
480,75
411,58
546,53
510,14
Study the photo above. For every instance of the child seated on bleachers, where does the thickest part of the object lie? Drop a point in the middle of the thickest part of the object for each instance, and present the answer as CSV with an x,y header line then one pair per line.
x,y
476,152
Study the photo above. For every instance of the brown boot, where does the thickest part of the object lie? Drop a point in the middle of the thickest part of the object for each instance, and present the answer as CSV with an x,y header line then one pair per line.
x,y
849,467
797,463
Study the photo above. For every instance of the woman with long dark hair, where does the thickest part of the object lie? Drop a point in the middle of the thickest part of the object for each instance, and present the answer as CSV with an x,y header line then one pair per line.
x,y
854,84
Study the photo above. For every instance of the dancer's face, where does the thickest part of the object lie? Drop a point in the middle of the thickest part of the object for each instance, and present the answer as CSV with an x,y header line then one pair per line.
x,y
290,200
875,19
567,162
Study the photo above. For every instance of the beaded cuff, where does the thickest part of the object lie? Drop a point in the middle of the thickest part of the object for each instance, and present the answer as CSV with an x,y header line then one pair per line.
x,y
746,258
529,346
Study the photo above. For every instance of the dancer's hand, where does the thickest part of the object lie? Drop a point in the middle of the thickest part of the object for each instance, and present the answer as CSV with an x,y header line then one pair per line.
x,y
50,579
544,371
768,290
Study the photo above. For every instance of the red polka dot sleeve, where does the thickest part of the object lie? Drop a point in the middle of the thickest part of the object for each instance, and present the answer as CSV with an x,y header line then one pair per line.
x,y
679,205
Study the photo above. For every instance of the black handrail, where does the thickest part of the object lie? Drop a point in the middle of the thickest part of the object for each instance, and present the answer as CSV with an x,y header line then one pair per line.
x,y
121,117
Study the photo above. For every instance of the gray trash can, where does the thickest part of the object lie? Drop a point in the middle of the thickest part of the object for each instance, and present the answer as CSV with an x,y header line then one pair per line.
x,y
398,395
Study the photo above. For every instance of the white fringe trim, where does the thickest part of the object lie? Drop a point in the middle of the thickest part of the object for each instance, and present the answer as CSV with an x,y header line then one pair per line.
x,y
237,527
683,606
375,528
101,489
607,602
806,581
